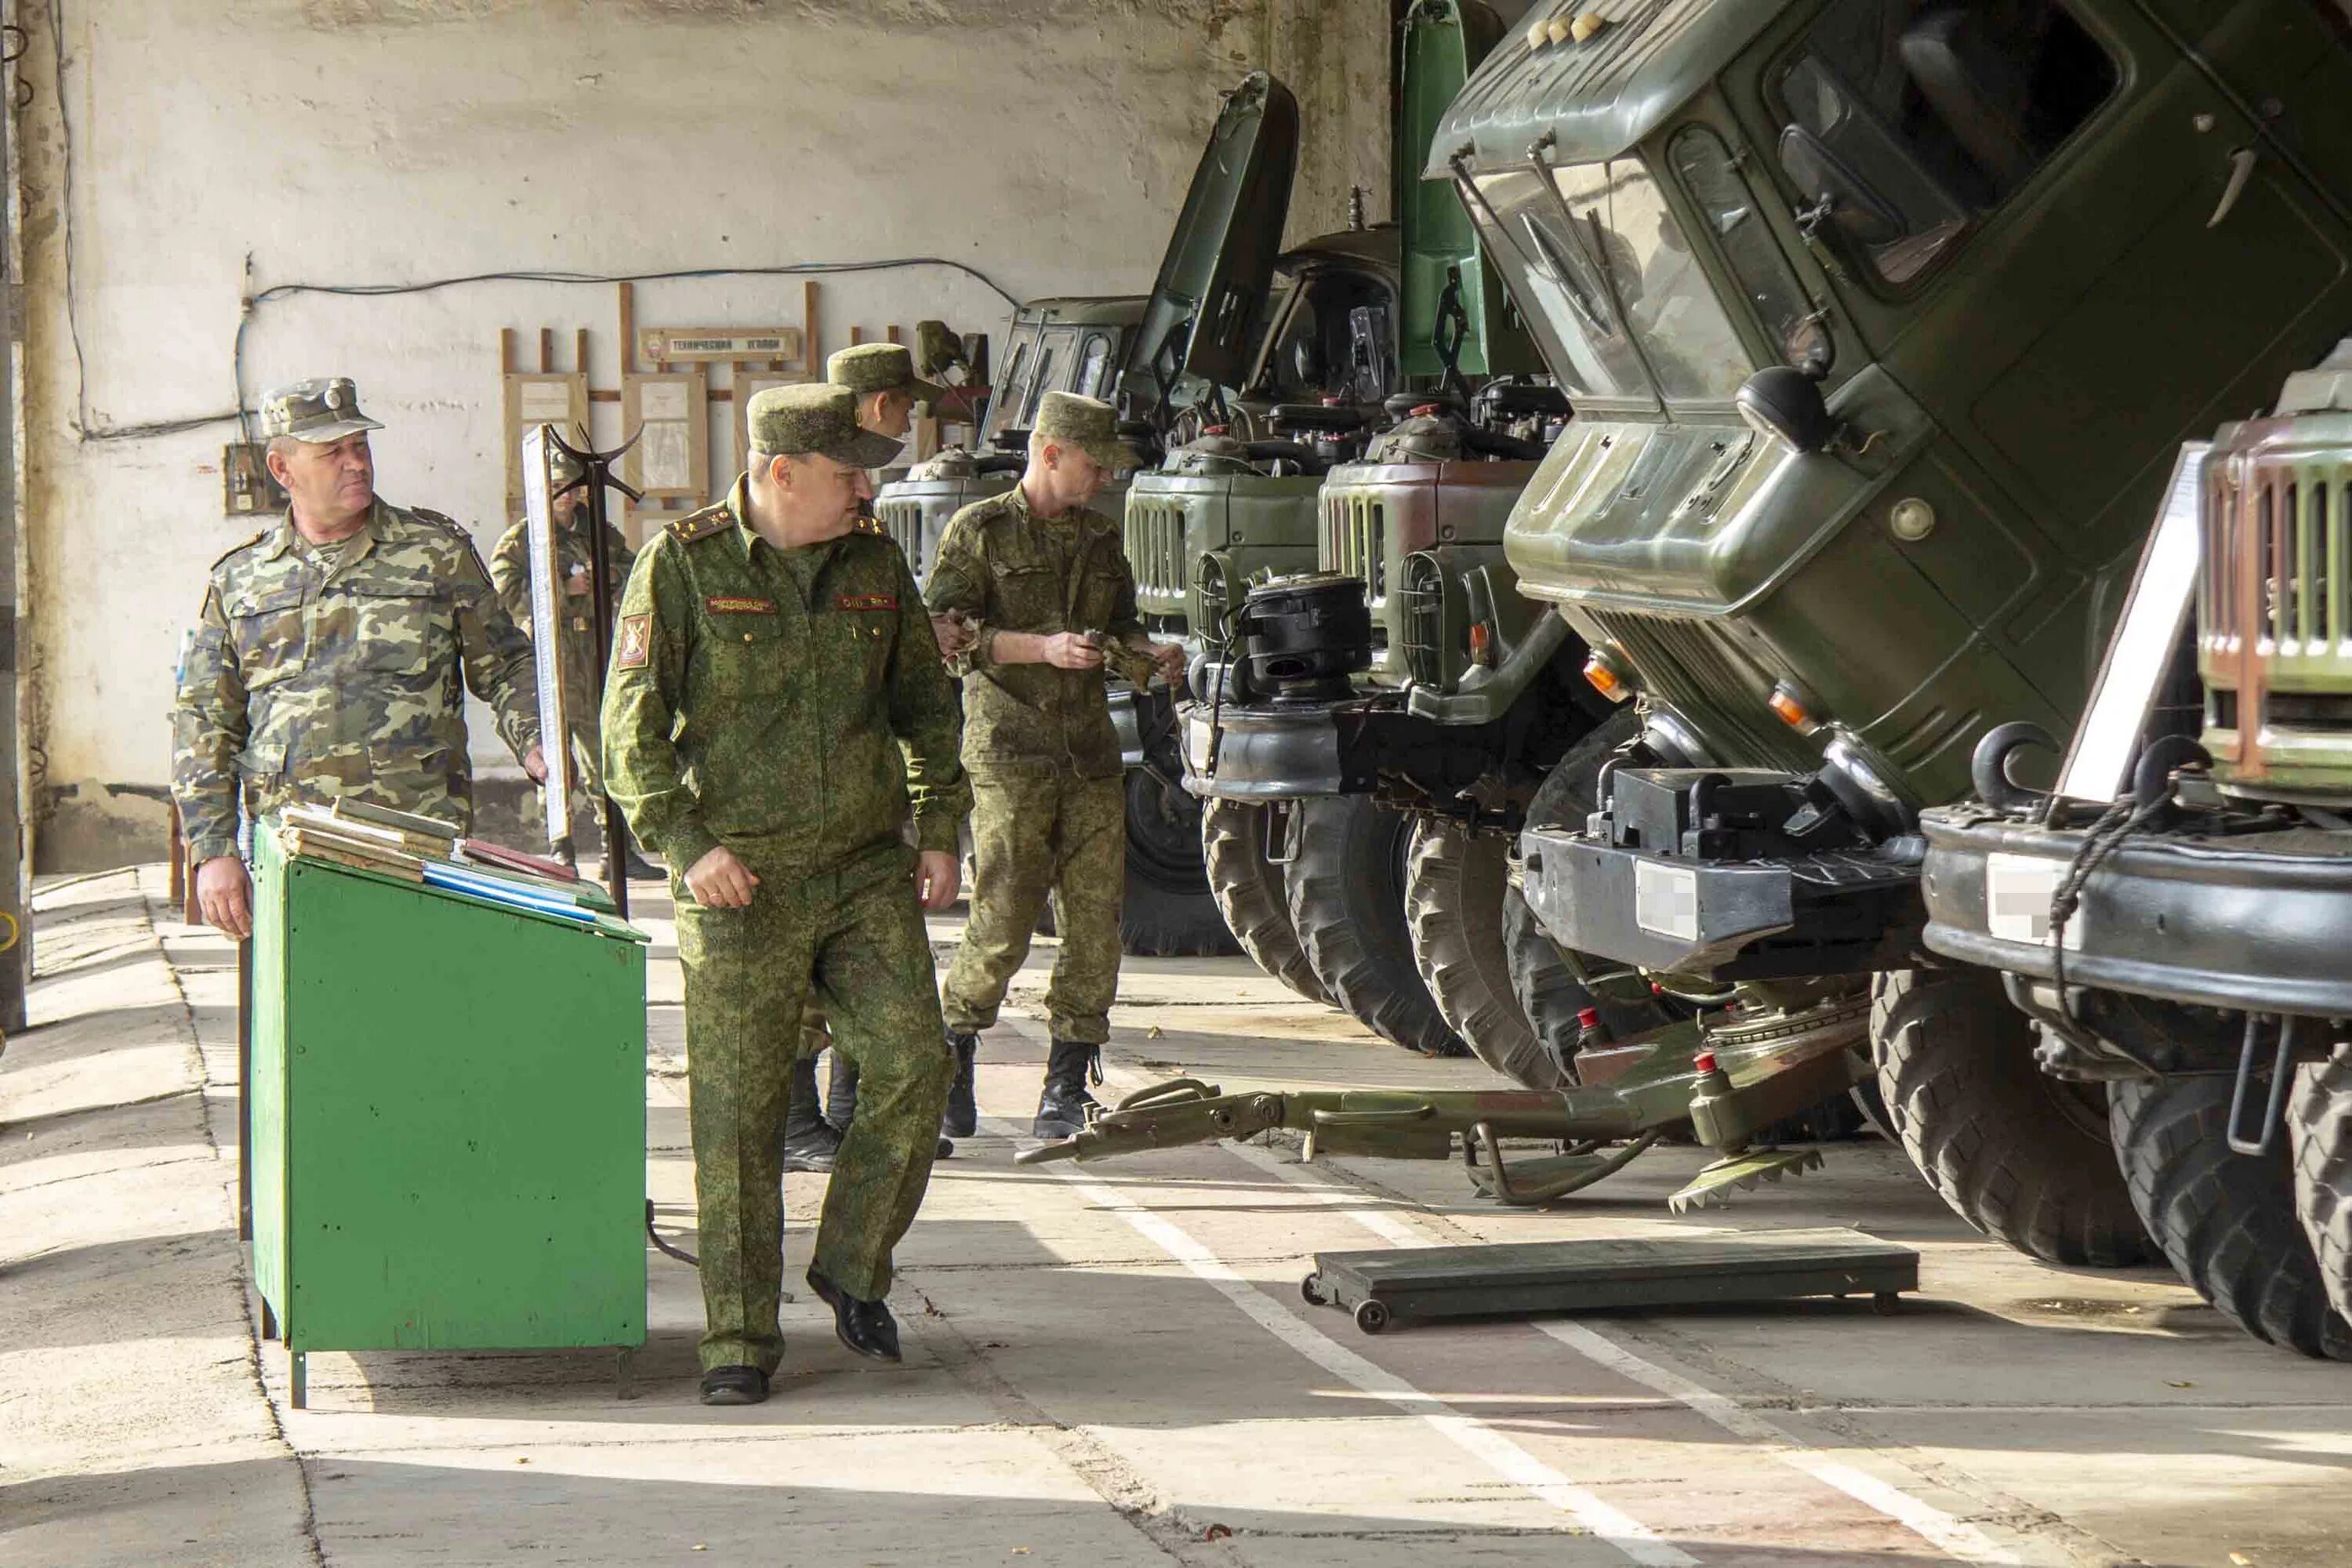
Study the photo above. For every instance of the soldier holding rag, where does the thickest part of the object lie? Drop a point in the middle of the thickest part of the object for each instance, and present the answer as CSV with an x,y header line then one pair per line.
x,y
1037,573
576,619
770,663
333,654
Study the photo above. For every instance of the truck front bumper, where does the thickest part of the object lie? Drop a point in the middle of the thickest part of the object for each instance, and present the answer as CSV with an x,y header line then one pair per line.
x,y
1835,912
1271,752
2250,922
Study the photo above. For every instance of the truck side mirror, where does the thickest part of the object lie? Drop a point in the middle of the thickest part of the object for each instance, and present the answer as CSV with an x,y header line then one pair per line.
x,y
1784,403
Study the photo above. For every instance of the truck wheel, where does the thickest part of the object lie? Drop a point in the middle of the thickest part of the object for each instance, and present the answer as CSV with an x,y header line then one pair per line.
x,y
2225,1220
1454,887
1249,893
1547,990
2319,1119
2018,1154
1167,912
1347,903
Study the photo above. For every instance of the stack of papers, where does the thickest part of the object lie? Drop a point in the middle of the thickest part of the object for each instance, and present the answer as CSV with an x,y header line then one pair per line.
x,y
425,850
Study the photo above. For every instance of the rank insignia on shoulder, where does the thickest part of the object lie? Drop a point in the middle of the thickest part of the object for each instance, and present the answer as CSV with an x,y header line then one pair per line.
x,y
721,604
637,642
866,602
700,524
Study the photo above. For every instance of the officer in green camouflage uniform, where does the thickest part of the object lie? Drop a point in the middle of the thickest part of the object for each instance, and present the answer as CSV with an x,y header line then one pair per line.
x,y
769,664
881,376
333,654
511,571
1037,573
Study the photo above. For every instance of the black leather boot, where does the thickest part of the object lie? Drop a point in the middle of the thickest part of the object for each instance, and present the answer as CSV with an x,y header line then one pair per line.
x,y
809,1143
840,1090
961,1118
865,1327
841,1101
1063,1108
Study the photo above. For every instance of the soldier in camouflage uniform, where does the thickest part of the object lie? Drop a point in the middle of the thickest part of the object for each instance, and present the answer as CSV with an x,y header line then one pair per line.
x,y
881,376
1037,572
333,654
511,573
770,662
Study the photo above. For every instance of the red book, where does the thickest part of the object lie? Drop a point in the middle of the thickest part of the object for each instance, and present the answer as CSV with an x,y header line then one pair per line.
x,y
491,854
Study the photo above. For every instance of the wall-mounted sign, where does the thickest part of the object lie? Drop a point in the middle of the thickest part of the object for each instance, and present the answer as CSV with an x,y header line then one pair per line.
x,y
679,343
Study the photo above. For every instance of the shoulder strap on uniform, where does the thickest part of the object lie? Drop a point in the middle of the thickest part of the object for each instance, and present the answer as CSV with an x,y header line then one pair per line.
x,y
238,548
425,514
701,524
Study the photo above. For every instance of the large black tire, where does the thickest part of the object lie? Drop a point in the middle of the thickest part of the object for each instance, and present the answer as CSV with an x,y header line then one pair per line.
x,y
2319,1118
1548,994
2226,1221
1168,911
1347,903
2018,1154
1454,888
1251,896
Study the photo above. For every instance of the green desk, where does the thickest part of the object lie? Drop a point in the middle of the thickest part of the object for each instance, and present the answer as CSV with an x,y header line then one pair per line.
x,y
448,1114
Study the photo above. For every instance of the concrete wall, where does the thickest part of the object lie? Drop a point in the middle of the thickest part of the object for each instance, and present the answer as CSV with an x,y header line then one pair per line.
x,y
220,147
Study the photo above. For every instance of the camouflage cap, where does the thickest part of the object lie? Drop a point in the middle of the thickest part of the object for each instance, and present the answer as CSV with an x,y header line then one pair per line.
x,y
868,368
325,409
1091,426
815,417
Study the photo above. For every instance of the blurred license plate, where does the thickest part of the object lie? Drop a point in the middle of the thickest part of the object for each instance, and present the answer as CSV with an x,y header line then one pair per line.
x,y
1196,744
2018,890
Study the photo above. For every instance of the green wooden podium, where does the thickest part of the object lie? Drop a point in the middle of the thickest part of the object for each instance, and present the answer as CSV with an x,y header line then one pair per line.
x,y
448,1118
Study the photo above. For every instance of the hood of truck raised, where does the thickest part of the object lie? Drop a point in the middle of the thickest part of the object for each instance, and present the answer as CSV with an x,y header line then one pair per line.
x,y
1718,561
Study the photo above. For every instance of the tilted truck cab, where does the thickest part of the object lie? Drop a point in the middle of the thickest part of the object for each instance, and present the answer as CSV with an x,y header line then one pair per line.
x,y
1882,320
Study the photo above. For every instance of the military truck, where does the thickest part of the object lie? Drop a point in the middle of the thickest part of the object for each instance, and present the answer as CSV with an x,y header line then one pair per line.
x,y
2171,914
1883,320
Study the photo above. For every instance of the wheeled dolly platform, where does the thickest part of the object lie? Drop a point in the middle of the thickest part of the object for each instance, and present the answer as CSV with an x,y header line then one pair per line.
x,y
1517,1278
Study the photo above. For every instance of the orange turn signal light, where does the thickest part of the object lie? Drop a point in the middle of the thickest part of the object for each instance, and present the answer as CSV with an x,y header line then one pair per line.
x,y
1789,709
1481,644
1602,675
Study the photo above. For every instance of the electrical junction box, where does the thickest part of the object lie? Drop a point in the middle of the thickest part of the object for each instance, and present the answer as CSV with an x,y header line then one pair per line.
x,y
247,488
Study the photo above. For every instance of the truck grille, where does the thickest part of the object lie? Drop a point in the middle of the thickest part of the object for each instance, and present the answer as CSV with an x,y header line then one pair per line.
x,y
2275,570
1155,547
1684,665
903,520
1354,542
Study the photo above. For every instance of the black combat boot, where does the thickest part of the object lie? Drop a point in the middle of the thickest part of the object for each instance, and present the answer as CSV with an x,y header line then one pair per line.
x,y
841,1101
1063,1109
809,1143
961,1118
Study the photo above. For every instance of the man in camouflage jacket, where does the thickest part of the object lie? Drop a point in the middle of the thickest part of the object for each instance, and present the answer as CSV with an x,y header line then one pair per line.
x,y
333,654
770,662
1040,577
576,617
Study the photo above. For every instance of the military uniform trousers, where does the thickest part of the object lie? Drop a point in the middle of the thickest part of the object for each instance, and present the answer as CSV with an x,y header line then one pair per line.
x,y
851,939
1034,835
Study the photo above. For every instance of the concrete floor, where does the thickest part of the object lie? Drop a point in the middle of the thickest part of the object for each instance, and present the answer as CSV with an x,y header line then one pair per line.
x,y
1104,1366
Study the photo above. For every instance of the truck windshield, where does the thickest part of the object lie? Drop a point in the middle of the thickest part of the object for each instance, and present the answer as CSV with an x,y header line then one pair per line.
x,y
1612,288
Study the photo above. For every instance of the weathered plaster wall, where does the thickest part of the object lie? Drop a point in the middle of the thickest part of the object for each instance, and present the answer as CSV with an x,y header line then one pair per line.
x,y
219,147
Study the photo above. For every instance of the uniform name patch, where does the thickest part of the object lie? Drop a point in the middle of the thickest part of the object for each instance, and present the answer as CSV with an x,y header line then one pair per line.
x,y
720,605
866,602
637,641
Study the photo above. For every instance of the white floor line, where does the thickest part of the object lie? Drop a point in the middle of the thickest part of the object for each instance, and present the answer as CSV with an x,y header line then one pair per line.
x,y
1474,1438
1942,1530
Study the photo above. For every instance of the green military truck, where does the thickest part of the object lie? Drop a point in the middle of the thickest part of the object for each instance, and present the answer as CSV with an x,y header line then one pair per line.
x,y
2172,915
1882,321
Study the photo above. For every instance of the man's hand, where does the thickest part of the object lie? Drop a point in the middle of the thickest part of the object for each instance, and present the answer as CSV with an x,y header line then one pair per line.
x,y
1071,650
225,896
577,584
954,633
1170,658
937,878
721,881
534,762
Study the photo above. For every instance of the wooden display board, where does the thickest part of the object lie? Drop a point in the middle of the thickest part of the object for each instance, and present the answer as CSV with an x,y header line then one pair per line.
x,y
667,415
534,399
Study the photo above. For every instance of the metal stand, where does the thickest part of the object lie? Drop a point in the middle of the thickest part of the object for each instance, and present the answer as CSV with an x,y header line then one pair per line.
x,y
600,476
